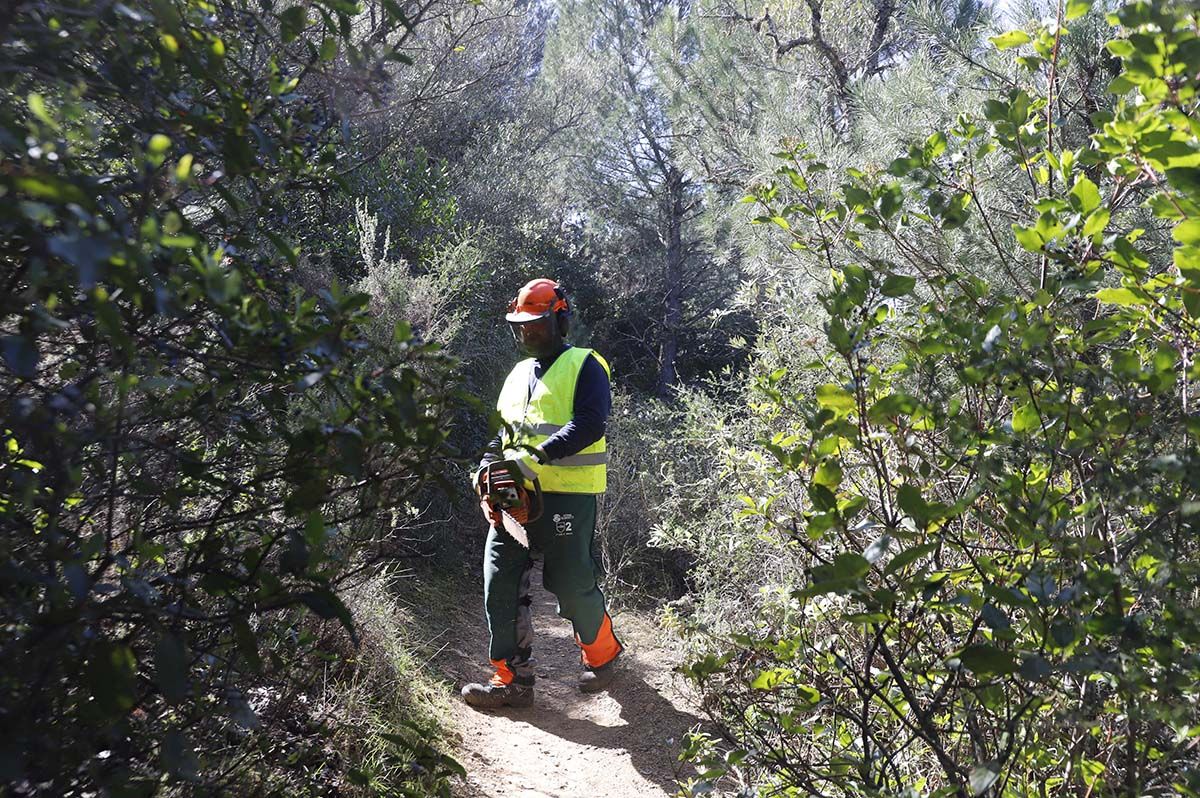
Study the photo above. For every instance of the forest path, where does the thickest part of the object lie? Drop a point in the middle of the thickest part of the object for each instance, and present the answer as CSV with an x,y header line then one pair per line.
x,y
621,743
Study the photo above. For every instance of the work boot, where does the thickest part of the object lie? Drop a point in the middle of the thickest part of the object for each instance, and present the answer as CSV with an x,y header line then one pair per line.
x,y
494,696
593,680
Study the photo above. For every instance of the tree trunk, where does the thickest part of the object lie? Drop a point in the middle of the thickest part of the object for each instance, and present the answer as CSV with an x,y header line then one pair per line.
x,y
673,282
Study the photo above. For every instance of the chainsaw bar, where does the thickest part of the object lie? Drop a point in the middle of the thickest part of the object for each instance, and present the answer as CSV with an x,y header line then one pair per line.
x,y
513,527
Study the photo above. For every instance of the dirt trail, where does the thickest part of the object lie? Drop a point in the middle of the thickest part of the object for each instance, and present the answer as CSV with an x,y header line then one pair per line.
x,y
618,744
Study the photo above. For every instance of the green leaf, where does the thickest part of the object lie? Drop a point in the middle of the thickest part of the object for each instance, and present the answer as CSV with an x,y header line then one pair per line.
x,y
1026,418
1029,238
878,547
183,170
52,189
892,406
1085,197
1091,770
1187,232
285,249
20,355
772,678
111,675
909,556
995,617
806,693
983,776
856,197
314,530
37,106
1121,48
1096,222
986,661
291,23
903,166
836,398
822,497
846,565
247,644
935,145
1119,296
178,758
1185,180
171,668
159,144
402,332
954,214
1033,667
829,474
1011,39
891,198
1191,302
1077,8
1121,84
913,504
326,604
897,285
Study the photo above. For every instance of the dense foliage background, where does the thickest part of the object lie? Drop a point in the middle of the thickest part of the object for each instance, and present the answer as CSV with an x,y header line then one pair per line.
x,y
901,300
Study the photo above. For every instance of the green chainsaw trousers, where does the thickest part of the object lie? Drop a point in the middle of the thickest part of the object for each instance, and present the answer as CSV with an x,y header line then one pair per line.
x,y
563,536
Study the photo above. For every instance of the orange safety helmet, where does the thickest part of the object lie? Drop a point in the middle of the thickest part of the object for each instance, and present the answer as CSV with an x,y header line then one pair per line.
x,y
537,299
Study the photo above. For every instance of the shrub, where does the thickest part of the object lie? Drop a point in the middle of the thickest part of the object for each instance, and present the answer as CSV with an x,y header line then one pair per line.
x,y
998,469
195,453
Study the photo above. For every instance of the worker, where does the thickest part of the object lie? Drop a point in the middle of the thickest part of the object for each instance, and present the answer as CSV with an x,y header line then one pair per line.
x,y
554,405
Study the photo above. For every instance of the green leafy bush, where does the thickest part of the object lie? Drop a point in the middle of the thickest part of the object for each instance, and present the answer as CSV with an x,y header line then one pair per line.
x,y
195,454
997,471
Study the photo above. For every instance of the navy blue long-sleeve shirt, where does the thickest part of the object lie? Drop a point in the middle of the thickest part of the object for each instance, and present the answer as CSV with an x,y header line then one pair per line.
x,y
589,412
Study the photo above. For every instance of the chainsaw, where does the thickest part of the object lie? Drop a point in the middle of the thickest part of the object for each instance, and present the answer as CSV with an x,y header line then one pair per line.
x,y
506,494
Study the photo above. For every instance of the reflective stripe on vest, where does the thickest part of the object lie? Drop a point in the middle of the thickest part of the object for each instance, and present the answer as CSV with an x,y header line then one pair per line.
x,y
552,405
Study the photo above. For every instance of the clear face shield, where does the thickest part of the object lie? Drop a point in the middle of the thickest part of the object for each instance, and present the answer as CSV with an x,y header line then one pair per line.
x,y
537,338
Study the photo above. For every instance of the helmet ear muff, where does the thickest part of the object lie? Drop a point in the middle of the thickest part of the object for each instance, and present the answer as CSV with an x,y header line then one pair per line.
x,y
562,316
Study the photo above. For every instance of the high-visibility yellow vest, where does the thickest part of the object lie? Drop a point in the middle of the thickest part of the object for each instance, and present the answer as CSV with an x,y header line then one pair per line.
x,y
535,417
